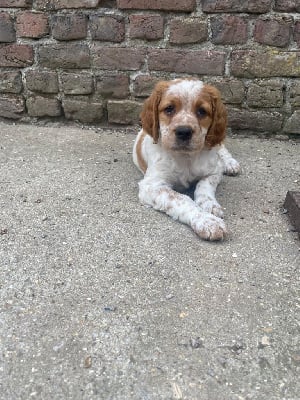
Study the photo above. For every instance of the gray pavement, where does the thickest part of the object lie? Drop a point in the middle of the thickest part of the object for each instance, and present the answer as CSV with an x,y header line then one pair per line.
x,y
102,298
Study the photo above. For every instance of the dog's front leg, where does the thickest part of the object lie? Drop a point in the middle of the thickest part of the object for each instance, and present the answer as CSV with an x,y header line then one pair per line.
x,y
230,165
205,195
181,207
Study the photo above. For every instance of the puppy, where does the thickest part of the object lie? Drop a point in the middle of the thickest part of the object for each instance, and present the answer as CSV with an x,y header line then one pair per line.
x,y
181,143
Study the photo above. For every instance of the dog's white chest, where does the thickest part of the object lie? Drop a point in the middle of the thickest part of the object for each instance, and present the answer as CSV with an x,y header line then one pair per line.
x,y
186,169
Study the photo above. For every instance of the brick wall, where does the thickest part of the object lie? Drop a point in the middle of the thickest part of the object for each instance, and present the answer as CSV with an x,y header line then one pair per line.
x,y
96,60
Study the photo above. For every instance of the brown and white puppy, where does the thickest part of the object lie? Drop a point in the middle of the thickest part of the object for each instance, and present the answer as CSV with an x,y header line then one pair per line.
x,y
181,142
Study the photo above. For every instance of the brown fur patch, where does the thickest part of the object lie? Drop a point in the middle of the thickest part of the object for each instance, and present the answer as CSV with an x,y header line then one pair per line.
x,y
217,130
149,114
140,159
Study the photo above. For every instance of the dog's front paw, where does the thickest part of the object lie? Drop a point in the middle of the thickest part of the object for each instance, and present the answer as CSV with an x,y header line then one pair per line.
x,y
209,227
231,167
210,206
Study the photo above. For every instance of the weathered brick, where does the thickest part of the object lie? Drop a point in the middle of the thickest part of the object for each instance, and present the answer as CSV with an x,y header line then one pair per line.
x,y
107,28
10,82
113,86
253,6
149,27
274,31
144,84
69,55
118,58
81,83
295,94
16,3
32,24
169,5
265,93
297,33
41,81
11,106
69,26
252,63
292,125
257,121
229,29
287,5
61,4
16,55
123,112
7,30
84,110
204,62
188,30
39,106
232,90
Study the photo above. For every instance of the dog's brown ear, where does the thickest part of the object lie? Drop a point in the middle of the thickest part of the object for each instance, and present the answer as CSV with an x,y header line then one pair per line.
x,y
149,114
217,131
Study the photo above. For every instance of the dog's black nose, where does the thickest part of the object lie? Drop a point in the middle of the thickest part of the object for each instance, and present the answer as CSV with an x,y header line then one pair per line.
x,y
183,133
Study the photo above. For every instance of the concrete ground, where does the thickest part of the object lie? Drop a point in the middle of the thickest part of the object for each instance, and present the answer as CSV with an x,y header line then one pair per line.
x,y
102,298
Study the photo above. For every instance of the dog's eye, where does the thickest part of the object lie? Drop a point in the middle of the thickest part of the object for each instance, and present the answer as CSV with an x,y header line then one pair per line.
x,y
201,112
170,110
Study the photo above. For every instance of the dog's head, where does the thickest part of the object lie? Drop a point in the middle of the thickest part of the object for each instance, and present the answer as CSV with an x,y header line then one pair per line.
x,y
185,115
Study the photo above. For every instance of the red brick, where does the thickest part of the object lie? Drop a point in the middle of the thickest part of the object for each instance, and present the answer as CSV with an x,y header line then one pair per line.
x,y
169,5
203,62
114,86
287,5
107,28
118,58
144,84
232,90
61,4
10,82
11,106
69,55
261,64
257,121
32,24
297,33
39,106
7,30
149,27
273,32
265,93
41,81
16,55
16,3
69,26
123,112
252,6
229,29
77,84
83,109
187,30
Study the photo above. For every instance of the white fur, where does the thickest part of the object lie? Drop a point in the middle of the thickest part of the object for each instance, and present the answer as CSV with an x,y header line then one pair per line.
x,y
169,172
231,166
186,89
